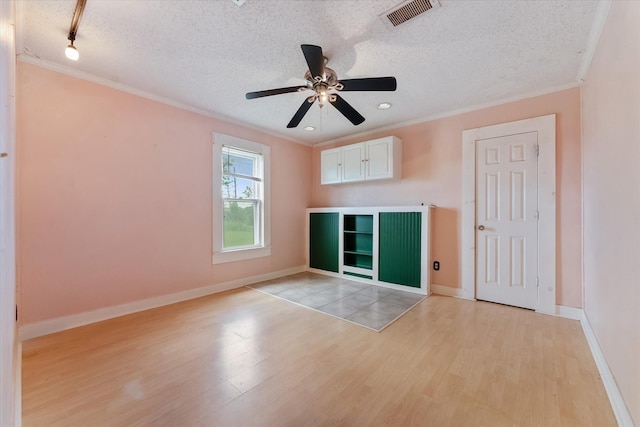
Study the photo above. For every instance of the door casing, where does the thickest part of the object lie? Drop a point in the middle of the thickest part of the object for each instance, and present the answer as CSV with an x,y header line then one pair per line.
x,y
545,127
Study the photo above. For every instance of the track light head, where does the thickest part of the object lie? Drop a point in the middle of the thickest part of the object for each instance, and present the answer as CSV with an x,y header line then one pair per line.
x,y
71,52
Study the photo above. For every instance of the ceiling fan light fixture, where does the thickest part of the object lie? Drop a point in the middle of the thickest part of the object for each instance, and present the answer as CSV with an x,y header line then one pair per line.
x,y
384,106
323,94
71,52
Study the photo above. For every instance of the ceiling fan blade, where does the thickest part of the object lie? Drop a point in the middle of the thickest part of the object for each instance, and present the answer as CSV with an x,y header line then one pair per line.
x,y
370,84
347,110
315,60
261,93
297,117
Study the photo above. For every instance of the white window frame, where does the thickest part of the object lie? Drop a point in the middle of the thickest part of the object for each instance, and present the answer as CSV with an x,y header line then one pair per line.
x,y
263,248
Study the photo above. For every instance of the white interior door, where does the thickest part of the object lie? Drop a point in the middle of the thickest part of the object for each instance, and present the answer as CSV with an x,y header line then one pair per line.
x,y
507,220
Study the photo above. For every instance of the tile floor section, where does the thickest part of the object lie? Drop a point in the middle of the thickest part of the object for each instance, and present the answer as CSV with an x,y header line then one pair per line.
x,y
373,307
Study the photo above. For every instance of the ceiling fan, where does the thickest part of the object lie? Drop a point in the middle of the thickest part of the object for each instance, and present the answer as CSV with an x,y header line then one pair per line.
x,y
324,82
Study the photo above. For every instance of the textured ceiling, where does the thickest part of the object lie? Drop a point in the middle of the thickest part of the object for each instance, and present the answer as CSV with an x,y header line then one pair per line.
x,y
207,54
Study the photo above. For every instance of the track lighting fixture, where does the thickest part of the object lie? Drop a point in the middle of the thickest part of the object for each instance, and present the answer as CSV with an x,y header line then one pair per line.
x,y
71,52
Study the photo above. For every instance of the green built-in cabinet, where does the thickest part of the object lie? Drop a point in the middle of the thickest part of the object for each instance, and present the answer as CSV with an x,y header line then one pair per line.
x,y
386,246
324,233
400,258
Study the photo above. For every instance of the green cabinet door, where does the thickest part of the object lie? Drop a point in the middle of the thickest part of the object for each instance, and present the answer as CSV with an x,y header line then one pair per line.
x,y
323,241
400,248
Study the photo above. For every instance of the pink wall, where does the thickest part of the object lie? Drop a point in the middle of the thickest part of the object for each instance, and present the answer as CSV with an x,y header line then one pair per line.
x,y
611,149
119,208
115,197
432,170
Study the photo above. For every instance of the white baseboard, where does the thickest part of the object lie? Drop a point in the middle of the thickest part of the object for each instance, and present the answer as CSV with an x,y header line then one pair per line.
x,y
623,417
569,312
17,417
33,330
448,291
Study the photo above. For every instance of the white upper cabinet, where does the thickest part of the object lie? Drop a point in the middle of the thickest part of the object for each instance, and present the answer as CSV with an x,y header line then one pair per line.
x,y
353,157
331,165
370,160
379,161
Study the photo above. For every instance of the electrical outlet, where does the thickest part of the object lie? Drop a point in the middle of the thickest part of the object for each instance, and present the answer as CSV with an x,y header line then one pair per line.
x,y
436,265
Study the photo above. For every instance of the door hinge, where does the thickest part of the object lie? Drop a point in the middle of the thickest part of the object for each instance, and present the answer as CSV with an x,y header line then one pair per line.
x,y
537,282
537,151
16,312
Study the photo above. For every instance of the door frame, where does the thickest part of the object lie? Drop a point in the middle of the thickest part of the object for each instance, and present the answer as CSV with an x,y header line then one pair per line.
x,y
545,127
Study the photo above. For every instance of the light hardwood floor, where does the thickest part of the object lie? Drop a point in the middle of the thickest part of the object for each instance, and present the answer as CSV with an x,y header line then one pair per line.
x,y
243,358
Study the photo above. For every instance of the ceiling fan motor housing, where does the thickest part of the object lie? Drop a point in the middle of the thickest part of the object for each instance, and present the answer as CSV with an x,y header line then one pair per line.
x,y
329,77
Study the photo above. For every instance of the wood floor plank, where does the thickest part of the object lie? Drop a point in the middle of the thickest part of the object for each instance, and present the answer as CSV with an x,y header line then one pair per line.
x,y
245,358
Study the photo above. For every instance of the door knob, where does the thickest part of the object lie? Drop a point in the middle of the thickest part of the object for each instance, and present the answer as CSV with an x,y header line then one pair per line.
x,y
481,227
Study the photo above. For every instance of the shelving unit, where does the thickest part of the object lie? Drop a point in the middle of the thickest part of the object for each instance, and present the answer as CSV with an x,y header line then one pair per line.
x,y
385,246
358,245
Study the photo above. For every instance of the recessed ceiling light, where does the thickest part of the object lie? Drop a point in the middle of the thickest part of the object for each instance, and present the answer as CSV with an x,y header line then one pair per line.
x,y
384,106
309,128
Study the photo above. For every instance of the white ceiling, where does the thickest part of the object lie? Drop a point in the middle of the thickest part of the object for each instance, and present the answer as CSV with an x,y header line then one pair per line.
x,y
205,55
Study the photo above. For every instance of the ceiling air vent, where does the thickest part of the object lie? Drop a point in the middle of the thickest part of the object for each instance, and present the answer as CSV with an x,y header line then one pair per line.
x,y
407,10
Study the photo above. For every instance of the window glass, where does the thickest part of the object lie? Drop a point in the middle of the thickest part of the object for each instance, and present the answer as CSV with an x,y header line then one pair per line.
x,y
239,226
242,197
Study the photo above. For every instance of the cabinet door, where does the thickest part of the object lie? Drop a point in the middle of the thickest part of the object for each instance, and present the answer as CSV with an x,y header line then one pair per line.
x,y
324,234
379,159
353,162
330,165
400,248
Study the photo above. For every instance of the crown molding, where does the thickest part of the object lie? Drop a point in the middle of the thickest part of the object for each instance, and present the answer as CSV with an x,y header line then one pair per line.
x,y
450,113
23,57
602,12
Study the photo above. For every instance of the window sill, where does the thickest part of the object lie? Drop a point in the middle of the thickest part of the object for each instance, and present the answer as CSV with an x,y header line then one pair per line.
x,y
241,254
